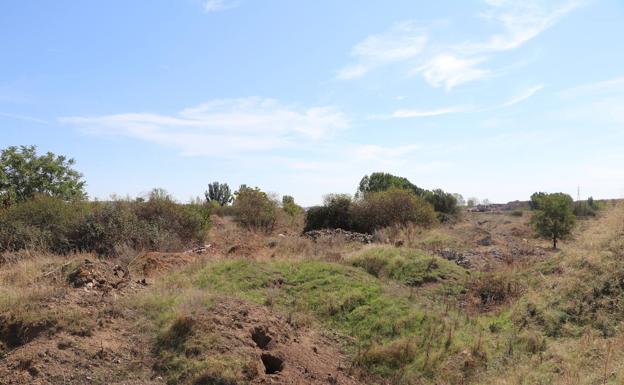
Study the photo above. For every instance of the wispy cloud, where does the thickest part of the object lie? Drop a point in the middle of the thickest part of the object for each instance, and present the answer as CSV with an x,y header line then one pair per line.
x,y
449,71
416,113
23,117
451,64
403,41
219,5
377,152
611,85
520,20
523,96
223,127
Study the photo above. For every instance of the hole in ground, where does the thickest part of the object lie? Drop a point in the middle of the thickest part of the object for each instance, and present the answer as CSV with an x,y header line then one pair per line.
x,y
260,337
272,364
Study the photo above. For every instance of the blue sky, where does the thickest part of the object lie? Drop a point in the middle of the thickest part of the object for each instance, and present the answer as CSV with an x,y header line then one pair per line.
x,y
488,98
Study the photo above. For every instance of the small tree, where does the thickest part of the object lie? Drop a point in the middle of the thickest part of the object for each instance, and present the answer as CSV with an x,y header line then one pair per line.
x,y
24,174
219,193
555,217
290,207
536,198
254,209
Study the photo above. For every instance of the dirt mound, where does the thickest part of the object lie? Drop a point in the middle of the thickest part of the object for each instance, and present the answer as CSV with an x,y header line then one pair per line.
x,y
153,263
98,274
279,351
349,236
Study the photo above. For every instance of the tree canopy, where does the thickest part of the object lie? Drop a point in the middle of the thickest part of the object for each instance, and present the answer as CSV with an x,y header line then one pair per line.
x,y
24,174
554,218
219,193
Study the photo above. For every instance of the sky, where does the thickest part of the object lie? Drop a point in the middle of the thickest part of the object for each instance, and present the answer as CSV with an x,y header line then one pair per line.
x,y
494,99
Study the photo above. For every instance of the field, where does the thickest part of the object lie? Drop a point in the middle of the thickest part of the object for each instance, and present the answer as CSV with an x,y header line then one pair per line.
x,y
480,300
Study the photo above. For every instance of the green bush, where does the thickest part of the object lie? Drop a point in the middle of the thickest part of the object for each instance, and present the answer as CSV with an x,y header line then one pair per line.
x,y
50,224
254,209
391,207
42,223
334,214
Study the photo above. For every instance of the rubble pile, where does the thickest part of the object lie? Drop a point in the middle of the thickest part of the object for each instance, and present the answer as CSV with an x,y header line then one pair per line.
x,y
349,236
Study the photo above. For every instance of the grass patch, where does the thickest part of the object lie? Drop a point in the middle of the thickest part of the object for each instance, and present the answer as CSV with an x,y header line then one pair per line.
x,y
409,267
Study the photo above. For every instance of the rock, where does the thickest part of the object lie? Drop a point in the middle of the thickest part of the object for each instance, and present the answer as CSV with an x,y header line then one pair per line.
x,y
487,241
349,236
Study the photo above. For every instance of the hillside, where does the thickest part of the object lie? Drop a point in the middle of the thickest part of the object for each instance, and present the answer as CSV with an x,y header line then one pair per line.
x,y
479,301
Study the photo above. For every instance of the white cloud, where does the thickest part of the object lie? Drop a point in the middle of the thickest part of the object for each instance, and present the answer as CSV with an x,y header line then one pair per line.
x,y
449,71
524,95
23,117
521,22
222,127
406,114
218,5
453,64
605,86
403,41
376,152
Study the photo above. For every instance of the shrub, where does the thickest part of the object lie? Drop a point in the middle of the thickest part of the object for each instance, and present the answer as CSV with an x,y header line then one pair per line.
x,y
290,207
110,227
391,207
43,223
254,209
50,224
334,214
170,225
442,202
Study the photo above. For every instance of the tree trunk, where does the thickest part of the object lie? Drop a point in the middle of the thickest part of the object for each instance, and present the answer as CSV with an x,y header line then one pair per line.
x,y
555,243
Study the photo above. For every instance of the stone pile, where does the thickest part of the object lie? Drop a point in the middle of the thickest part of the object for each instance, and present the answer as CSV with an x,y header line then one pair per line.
x,y
349,236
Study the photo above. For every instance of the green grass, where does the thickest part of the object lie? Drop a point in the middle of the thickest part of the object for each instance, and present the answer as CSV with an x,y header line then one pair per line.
x,y
409,267
395,335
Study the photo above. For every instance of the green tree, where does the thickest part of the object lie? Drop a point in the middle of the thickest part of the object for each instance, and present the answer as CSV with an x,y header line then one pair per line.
x,y
254,209
290,207
24,174
382,181
442,201
555,217
219,193
536,198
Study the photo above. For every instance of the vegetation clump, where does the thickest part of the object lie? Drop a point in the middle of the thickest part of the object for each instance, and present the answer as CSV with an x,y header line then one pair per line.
x,y
554,217
24,174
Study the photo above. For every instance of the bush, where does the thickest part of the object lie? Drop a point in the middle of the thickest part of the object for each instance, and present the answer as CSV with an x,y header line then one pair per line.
x,y
334,214
391,207
254,209
43,223
51,224
442,202
171,225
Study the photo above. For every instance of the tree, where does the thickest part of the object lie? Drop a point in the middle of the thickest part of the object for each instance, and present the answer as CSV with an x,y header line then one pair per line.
x,y
442,202
290,207
555,217
24,174
472,202
254,209
460,199
536,198
219,193
382,181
